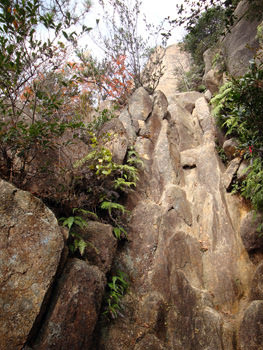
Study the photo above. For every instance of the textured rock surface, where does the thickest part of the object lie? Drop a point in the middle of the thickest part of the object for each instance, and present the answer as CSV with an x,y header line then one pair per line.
x,y
249,232
72,317
239,45
176,64
118,140
102,247
251,330
230,148
189,272
30,247
140,107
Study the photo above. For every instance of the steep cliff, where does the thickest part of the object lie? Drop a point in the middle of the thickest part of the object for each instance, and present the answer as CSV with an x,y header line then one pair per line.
x,y
189,272
193,257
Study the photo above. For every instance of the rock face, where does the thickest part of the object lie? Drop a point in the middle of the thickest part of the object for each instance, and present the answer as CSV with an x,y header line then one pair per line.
x,y
73,314
176,63
31,245
240,44
189,272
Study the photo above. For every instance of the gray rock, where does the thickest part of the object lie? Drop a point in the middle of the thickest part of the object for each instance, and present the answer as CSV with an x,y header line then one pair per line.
x,y
243,170
230,148
118,142
248,231
140,106
125,118
230,172
251,329
30,250
186,99
102,245
73,314
240,44
213,80
257,284
208,95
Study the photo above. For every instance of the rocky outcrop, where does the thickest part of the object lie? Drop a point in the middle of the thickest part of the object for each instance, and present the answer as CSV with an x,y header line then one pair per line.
x,y
176,63
73,314
31,246
240,44
189,272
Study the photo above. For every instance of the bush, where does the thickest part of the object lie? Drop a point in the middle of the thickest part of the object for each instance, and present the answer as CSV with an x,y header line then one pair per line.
x,y
205,33
238,108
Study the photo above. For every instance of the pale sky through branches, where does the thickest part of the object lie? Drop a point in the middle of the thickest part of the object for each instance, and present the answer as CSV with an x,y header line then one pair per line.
x,y
155,12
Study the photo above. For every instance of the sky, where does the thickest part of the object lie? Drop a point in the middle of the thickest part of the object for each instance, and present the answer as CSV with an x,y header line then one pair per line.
x,y
155,12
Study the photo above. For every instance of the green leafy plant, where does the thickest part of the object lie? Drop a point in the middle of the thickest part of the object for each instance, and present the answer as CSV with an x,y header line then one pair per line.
x,y
204,33
78,243
252,186
238,109
117,288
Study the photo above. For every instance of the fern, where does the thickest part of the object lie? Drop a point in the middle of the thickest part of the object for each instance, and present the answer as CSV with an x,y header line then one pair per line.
x,y
116,291
112,205
119,232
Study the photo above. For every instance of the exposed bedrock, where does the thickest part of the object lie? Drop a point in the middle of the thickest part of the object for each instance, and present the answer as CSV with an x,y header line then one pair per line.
x,y
190,274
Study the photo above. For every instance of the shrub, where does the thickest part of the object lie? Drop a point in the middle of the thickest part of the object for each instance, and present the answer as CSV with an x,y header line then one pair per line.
x,y
205,33
238,108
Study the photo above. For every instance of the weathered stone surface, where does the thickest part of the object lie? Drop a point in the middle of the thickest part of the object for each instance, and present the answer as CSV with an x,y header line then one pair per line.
x,y
251,329
248,230
230,172
176,63
73,314
30,249
149,342
101,245
187,265
160,104
118,142
243,170
186,99
208,95
239,45
230,148
257,284
213,80
207,124
125,118
140,106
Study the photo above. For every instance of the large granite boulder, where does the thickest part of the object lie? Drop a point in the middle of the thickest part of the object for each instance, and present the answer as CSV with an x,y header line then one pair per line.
x,y
240,44
188,269
30,248
251,329
73,313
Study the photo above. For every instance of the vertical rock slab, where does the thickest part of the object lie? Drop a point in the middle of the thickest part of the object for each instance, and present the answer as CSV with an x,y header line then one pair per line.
x,y
251,330
240,44
140,106
72,317
30,247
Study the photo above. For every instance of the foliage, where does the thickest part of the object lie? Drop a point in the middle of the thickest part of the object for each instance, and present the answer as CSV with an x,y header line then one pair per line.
x,y
116,290
205,33
238,108
118,36
189,18
252,186
110,78
222,154
190,80
32,105
78,243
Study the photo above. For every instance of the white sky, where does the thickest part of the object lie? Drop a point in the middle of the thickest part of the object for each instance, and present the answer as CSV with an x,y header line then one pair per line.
x,y
155,11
